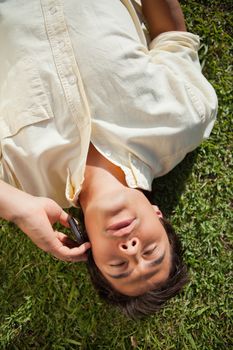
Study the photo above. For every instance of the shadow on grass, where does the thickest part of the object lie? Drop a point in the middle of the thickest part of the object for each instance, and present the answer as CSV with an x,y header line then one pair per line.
x,y
167,190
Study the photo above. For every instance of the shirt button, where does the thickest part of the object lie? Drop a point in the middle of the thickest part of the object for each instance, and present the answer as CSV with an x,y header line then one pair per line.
x,y
61,45
53,10
108,153
72,80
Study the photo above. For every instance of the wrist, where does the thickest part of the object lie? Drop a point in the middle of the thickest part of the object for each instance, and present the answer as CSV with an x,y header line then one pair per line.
x,y
12,202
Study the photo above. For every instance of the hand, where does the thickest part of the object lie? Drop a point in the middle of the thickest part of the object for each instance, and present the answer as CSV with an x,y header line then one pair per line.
x,y
36,220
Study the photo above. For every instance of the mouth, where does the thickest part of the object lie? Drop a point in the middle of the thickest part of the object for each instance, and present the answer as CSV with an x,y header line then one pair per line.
x,y
122,227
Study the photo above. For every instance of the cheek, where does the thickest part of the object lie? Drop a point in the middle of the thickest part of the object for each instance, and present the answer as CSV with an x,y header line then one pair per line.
x,y
153,229
102,250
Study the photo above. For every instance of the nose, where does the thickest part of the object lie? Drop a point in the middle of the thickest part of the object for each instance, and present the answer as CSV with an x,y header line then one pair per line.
x,y
130,247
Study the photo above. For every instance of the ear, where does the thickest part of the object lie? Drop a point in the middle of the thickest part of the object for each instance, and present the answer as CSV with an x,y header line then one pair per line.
x,y
158,211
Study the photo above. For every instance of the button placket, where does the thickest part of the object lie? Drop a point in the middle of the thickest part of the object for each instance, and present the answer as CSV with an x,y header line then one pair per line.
x,y
65,61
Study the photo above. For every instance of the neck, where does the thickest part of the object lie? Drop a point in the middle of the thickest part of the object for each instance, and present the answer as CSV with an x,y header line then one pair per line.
x,y
101,178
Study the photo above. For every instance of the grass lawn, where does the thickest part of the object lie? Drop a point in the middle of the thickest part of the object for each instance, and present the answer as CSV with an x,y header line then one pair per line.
x,y
49,304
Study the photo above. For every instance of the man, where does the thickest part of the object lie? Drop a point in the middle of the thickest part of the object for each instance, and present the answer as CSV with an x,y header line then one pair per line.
x,y
89,113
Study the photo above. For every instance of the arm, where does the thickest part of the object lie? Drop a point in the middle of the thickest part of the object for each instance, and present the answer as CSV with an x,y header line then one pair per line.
x,y
163,16
35,217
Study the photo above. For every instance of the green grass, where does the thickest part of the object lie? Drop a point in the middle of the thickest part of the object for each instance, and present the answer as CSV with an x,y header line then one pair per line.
x,y
49,304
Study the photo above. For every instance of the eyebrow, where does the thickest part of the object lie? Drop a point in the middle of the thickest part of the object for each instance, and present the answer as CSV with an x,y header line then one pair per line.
x,y
155,262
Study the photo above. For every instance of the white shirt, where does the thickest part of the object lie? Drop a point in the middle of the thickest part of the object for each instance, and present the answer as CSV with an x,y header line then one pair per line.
x,y
74,72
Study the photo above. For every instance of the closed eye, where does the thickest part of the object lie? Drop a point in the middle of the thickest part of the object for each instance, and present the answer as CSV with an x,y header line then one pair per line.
x,y
149,251
118,264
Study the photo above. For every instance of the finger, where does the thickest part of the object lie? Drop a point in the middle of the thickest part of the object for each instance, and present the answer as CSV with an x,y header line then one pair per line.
x,y
70,254
65,240
64,219
81,258
55,212
69,258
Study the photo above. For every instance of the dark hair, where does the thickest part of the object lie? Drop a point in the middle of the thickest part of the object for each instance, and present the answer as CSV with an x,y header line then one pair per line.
x,y
151,301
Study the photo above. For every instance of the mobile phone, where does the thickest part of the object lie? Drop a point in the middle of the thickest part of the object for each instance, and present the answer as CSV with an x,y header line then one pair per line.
x,y
75,228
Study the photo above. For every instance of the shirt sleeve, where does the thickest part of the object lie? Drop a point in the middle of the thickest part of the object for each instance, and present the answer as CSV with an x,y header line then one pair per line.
x,y
177,55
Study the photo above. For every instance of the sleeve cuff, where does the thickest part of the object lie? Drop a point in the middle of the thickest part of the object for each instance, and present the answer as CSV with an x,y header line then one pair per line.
x,y
185,39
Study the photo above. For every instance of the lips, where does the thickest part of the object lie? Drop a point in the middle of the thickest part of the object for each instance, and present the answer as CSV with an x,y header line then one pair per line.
x,y
121,224
122,227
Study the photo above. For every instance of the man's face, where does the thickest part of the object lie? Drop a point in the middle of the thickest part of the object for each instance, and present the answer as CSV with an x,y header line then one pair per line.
x,y
129,244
